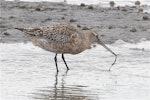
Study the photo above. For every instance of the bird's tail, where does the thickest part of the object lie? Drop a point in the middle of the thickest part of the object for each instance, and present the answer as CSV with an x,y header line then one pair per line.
x,y
30,31
25,30
21,29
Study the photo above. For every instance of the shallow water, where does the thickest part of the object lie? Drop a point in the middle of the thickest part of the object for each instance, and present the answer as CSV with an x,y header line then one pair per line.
x,y
28,73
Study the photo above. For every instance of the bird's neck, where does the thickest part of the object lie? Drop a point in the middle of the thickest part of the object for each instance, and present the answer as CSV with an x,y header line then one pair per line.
x,y
89,40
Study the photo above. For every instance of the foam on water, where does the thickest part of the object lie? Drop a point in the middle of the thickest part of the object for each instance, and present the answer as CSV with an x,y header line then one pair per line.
x,y
28,72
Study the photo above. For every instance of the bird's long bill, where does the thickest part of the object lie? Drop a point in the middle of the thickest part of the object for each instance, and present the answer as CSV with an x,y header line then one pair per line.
x,y
102,43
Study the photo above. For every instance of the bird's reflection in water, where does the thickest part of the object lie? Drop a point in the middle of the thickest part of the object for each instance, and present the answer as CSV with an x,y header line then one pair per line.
x,y
62,92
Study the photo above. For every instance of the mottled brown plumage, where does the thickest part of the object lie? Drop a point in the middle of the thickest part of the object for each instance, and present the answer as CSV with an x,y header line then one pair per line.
x,y
62,39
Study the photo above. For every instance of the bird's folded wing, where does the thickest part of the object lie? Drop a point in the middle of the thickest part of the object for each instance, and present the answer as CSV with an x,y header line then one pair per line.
x,y
58,33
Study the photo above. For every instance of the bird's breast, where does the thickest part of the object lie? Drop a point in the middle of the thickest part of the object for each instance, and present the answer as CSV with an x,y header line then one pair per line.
x,y
72,47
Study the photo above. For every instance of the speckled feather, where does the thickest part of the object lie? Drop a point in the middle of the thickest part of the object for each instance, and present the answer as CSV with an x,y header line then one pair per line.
x,y
58,38
53,33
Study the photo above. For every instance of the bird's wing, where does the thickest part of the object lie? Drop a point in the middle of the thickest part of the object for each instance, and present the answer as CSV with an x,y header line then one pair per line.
x,y
60,33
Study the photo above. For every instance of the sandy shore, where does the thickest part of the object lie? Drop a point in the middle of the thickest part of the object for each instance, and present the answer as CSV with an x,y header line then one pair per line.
x,y
112,24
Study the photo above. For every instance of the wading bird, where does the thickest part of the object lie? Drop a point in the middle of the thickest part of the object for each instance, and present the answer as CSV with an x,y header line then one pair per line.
x,y
63,39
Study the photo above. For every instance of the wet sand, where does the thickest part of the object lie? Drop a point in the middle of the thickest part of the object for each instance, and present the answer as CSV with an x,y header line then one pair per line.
x,y
112,24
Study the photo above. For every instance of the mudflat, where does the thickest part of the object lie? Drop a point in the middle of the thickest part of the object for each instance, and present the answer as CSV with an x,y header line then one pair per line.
x,y
127,23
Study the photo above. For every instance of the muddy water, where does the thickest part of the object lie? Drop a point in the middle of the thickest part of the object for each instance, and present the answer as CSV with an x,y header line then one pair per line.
x,y
28,73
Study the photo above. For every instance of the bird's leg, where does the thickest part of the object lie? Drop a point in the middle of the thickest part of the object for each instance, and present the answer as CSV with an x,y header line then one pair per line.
x,y
56,62
65,61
